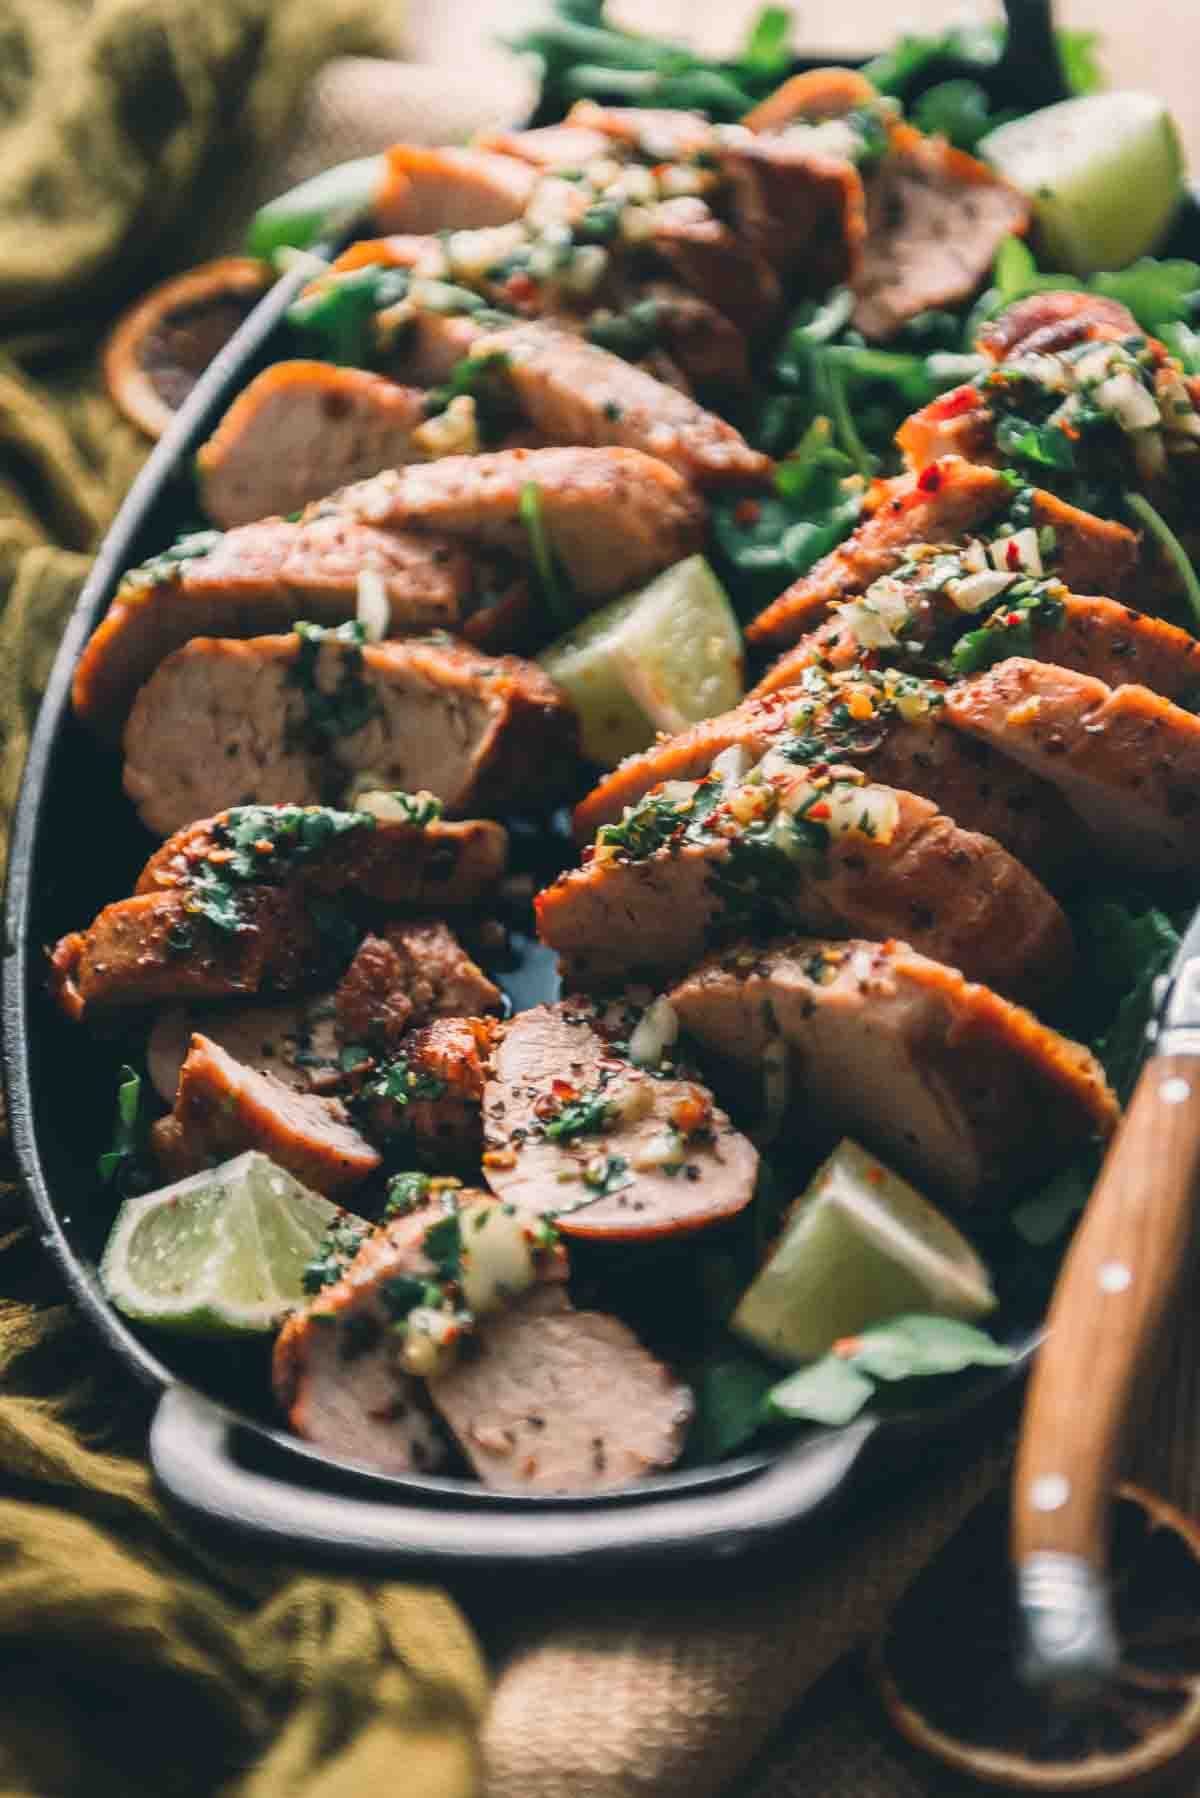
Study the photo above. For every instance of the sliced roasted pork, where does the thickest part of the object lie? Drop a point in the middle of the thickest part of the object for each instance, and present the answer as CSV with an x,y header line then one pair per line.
x,y
407,974
935,219
613,1150
445,189
1046,323
948,501
297,1041
573,392
259,578
612,516
300,430
803,211
558,1400
261,898
315,717
943,1077
430,1093
889,725
910,620
1126,760
222,1107
707,256
787,845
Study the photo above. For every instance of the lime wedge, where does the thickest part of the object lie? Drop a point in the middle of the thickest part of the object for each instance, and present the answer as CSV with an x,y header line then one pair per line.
x,y
221,1253
1104,173
658,659
296,219
858,1247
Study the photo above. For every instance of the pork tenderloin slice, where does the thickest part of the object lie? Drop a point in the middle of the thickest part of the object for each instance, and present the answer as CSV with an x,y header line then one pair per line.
x,y
708,258
156,947
222,1108
662,133
300,430
437,1079
426,189
709,348
416,970
1046,323
290,720
935,219
817,94
979,791
943,1077
653,1155
260,578
297,1043
337,1371
557,1400
955,894
574,392
950,500
803,212
548,147
613,516
1125,759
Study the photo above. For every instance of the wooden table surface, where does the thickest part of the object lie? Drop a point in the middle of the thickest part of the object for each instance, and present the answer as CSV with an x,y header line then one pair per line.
x,y
1147,43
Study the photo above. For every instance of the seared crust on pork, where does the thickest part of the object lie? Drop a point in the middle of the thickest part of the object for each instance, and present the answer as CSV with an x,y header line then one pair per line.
x,y
952,499
311,723
955,894
222,1108
573,392
1126,760
299,431
613,516
439,188
159,944
259,578
952,1082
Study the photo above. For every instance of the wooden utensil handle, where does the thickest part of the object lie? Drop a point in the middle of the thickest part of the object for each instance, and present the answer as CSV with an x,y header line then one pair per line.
x,y
1112,1295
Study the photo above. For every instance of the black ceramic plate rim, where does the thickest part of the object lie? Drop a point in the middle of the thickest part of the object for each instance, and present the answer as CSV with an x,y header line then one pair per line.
x,y
821,1462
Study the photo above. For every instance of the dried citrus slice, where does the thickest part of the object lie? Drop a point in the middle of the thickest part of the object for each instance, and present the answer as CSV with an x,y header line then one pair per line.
x,y
159,348
944,1662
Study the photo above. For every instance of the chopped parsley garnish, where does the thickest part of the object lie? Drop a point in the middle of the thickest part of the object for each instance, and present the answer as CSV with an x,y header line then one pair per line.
x,y
398,1082
1009,631
580,1117
551,581
606,1174
127,1128
337,316
657,820
631,334
483,378
258,845
419,808
169,564
405,1193
351,703
443,1247
337,1249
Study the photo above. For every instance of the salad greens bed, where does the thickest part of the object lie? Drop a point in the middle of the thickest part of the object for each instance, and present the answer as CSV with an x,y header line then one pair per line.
x,y
825,404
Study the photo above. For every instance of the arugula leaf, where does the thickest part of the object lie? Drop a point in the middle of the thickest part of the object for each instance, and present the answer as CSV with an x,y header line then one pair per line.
x,y
338,314
544,561
768,47
729,1397
959,110
127,1130
1158,528
1157,290
831,1391
835,1388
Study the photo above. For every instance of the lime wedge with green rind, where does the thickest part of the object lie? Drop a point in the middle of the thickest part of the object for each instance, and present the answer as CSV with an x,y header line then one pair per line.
x,y
860,1246
1104,174
220,1253
656,660
317,208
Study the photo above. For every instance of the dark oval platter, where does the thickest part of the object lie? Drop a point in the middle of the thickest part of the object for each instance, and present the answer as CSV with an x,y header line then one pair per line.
x,y
75,845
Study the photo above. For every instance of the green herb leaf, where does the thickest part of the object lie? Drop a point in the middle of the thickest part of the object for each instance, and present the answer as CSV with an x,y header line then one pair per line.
x,y
127,1130
1042,1219
909,1347
338,1247
405,1193
831,1391
729,1399
545,564
1158,528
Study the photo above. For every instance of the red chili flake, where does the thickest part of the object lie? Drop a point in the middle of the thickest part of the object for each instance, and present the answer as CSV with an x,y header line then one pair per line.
x,y
563,1091
747,511
820,810
1012,554
876,1175
586,855
930,479
870,659
846,1346
1068,430
692,1112
264,846
1012,618
952,405
520,286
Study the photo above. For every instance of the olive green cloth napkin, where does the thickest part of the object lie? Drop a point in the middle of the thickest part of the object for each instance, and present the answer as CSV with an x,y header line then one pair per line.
x,y
135,1660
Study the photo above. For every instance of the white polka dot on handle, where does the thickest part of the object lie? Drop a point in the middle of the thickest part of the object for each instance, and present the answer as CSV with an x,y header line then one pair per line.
x,y
1175,1090
1050,1492
1114,1276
